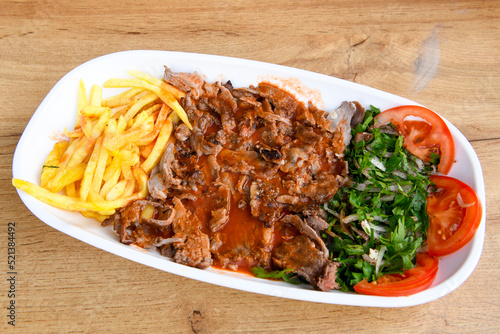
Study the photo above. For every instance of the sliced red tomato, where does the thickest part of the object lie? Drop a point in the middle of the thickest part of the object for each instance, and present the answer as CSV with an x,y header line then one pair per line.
x,y
454,215
424,132
408,283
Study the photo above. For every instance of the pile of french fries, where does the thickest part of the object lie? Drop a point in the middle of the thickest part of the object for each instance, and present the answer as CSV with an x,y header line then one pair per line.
x,y
115,144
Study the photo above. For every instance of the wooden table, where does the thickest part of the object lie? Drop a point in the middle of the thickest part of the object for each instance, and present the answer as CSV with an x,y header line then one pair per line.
x,y
443,54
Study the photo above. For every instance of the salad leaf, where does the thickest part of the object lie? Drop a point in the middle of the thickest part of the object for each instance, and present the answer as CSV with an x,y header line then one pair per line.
x,y
287,275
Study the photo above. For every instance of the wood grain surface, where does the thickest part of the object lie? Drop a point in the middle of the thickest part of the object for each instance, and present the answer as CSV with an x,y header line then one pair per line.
x,y
442,54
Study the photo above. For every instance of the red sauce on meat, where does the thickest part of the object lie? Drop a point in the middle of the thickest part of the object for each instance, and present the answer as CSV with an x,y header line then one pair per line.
x,y
240,188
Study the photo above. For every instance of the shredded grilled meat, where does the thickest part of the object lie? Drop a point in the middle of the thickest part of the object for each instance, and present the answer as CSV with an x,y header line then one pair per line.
x,y
244,187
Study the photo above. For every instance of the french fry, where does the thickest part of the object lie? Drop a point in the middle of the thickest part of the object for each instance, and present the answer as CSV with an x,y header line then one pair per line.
x,y
116,190
51,164
126,83
112,169
177,93
66,176
129,188
129,136
113,128
164,95
146,77
142,181
137,106
116,112
121,125
99,170
94,215
114,145
161,141
89,170
71,189
154,108
68,153
86,125
93,111
99,126
83,150
146,150
69,203
82,101
148,212
121,99
94,197
111,176
139,119
126,171
74,134
126,162
160,120
95,96
170,101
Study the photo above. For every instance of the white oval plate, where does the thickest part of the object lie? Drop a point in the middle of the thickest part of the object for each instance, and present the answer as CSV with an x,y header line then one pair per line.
x,y
58,110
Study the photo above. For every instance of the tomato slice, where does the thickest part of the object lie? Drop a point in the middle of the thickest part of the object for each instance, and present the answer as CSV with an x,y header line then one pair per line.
x,y
410,282
424,132
452,221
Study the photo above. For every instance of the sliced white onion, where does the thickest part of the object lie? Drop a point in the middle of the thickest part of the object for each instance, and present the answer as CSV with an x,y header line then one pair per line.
x,y
394,187
368,259
368,228
388,154
373,254
419,163
377,163
365,173
327,209
362,186
415,118
380,219
399,173
387,198
380,260
351,218
461,202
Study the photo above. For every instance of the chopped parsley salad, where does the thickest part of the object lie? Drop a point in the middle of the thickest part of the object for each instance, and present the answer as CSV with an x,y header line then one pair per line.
x,y
379,221
397,212
395,204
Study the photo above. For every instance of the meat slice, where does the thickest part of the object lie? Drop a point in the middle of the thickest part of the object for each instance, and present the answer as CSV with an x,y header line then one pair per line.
x,y
302,257
317,223
220,214
305,133
348,115
327,279
193,249
156,186
202,144
187,82
263,204
224,104
145,233
284,103
162,176
268,153
182,132
307,231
